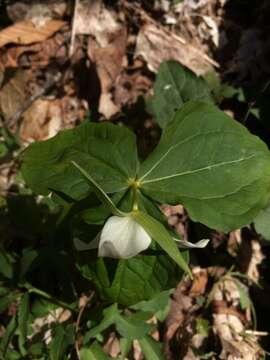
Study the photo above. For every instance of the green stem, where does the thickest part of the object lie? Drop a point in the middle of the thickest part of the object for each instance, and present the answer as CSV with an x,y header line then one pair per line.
x,y
47,296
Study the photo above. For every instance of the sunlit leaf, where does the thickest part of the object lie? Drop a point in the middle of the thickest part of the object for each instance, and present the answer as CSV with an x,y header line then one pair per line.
x,y
212,165
175,84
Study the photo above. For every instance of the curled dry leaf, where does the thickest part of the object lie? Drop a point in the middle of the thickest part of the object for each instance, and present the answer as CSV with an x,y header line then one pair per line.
x,y
106,46
112,346
25,32
243,245
191,322
15,92
36,55
180,323
235,344
255,260
230,323
46,117
156,45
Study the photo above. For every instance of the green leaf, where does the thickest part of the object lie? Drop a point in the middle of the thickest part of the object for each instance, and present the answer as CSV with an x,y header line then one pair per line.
x,y
175,84
212,165
37,349
103,197
9,332
151,349
97,215
23,314
156,305
95,352
63,337
159,233
148,206
262,223
125,346
6,298
202,326
107,152
109,317
133,326
244,297
6,267
129,281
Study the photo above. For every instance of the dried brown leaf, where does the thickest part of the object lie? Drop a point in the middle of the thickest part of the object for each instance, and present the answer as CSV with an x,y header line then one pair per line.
x,y
106,49
156,45
199,283
36,55
25,32
46,117
15,93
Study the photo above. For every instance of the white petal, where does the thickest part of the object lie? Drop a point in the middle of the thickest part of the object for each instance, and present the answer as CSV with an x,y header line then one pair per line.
x,y
188,245
122,238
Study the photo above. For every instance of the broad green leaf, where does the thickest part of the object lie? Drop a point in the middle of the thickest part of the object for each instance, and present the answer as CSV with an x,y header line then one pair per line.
x,y
129,281
103,197
151,348
23,314
262,223
159,233
97,215
212,165
175,84
148,206
94,352
107,152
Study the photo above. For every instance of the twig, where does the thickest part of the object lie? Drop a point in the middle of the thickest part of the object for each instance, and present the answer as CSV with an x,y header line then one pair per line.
x,y
73,30
253,103
256,333
51,81
77,326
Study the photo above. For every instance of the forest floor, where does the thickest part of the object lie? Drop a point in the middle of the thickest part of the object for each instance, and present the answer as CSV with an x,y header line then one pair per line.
x,y
62,62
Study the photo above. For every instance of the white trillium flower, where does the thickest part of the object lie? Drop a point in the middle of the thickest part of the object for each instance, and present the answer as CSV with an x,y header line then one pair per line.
x,y
122,238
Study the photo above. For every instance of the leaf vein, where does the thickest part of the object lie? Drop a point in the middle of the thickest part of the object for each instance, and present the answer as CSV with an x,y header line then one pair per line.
x,y
208,167
178,144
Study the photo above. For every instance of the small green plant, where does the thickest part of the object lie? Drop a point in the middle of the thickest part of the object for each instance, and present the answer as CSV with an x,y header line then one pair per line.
x,y
109,220
205,160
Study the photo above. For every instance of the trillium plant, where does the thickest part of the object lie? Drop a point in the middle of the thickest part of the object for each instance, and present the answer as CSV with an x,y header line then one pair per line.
x,y
110,197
